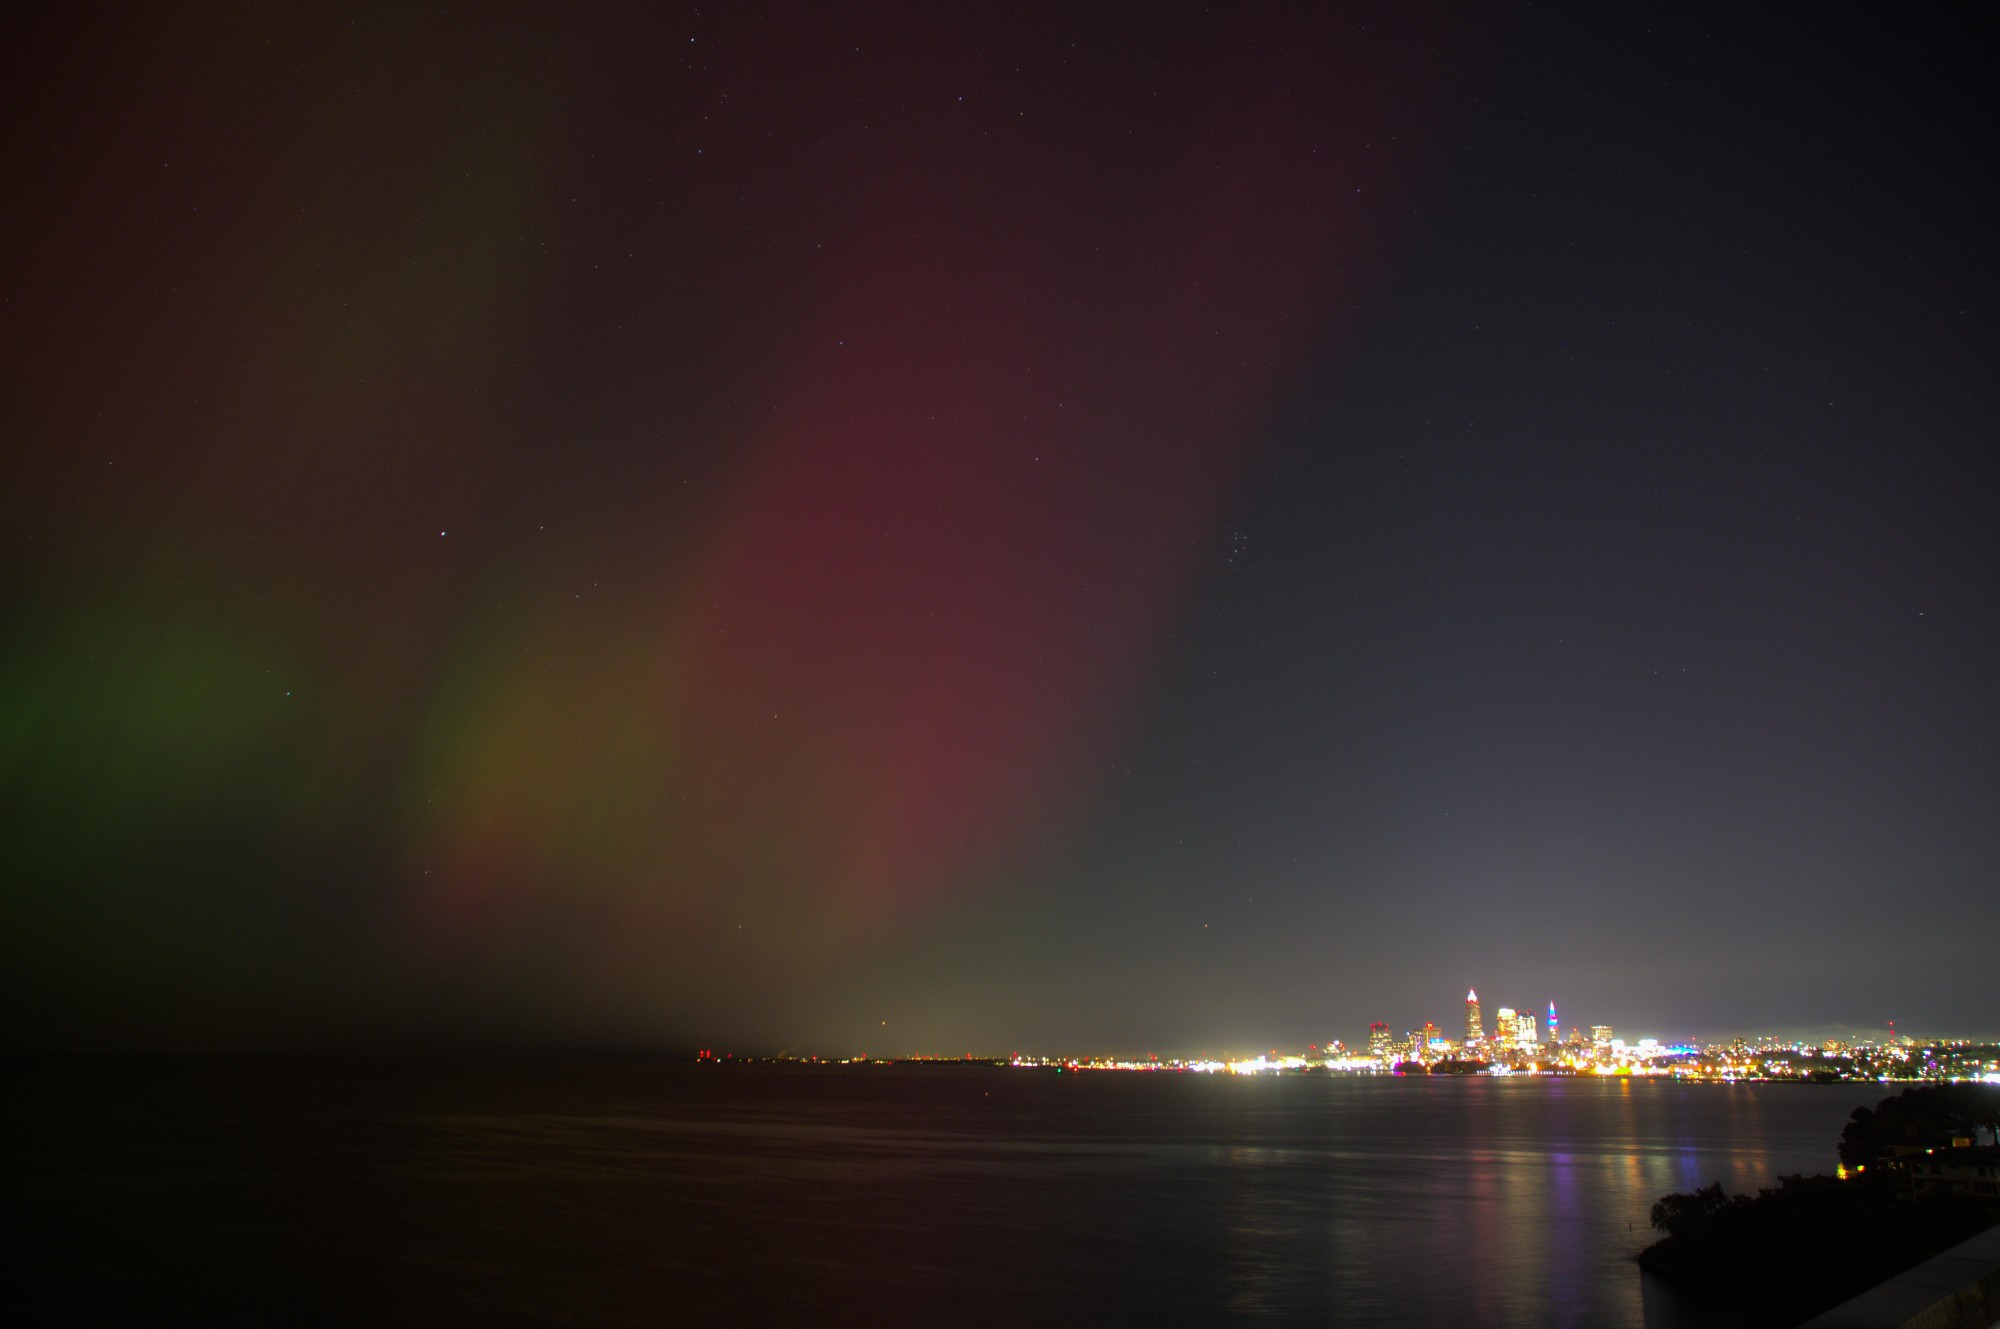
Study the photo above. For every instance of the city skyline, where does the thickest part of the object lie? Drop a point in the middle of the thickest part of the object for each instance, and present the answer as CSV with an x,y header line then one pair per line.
x,y
1391,1043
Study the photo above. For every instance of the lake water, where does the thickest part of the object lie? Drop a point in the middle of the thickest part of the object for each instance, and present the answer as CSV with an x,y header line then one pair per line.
x,y
629,1192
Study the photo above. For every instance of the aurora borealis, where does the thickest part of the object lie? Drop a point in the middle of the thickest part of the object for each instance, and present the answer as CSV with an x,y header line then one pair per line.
x,y
670,524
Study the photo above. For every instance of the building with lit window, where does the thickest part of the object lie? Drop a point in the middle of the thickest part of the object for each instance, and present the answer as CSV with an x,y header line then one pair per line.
x,y
1958,1171
1525,1037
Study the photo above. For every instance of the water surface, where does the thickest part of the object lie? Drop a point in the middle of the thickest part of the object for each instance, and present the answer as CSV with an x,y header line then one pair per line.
x,y
631,1192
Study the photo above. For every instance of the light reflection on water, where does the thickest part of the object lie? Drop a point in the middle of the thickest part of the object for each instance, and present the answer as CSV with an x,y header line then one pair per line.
x,y
967,1196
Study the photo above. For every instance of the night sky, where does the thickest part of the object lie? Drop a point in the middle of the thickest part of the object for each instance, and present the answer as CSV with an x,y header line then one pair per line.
x,y
964,529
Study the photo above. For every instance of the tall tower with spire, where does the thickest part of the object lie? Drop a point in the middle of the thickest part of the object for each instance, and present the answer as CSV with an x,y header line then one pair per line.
x,y
1475,1032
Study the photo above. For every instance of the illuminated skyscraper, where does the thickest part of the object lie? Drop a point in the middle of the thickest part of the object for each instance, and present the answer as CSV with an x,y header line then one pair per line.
x,y
1506,1026
1378,1043
1525,1036
1475,1033
1555,1029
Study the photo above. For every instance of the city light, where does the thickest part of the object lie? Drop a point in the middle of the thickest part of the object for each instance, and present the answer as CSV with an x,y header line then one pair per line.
x,y
1519,1045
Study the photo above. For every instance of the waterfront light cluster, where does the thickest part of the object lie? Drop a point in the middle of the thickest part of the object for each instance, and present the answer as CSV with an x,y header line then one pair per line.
x,y
1519,1044
1738,1060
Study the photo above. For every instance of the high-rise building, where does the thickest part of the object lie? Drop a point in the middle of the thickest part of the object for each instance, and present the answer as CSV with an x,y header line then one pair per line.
x,y
1378,1043
1525,1036
1600,1040
1506,1027
1475,1034
1429,1034
1555,1029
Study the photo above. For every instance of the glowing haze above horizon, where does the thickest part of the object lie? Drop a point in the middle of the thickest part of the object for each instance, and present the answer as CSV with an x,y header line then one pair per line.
x,y
867,529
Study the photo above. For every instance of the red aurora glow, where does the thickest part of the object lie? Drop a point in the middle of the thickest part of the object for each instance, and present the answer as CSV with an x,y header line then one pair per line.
x,y
999,446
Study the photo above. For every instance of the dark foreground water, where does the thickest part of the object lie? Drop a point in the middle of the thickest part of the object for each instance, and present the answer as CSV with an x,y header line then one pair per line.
x,y
624,1192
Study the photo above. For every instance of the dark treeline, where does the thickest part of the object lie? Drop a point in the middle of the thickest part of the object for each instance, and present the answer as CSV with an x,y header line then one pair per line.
x,y
1792,1252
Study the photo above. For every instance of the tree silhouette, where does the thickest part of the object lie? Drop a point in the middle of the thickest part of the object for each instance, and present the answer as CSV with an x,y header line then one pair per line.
x,y
1683,1212
1922,1116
